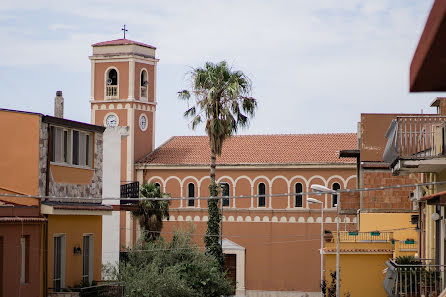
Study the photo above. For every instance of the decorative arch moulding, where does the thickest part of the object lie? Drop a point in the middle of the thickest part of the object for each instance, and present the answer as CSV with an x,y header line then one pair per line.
x,y
265,219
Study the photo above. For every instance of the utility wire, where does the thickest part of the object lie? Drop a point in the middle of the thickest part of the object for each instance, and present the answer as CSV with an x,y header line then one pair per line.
x,y
331,192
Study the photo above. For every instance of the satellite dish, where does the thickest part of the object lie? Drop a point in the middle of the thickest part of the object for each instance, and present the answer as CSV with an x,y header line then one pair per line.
x,y
145,83
109,81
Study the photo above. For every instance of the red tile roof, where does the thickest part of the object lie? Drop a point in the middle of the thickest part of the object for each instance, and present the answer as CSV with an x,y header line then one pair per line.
x,y
122,42
256,149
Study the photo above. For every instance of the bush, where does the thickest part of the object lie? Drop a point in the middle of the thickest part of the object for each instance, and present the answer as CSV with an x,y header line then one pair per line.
x,y
175,269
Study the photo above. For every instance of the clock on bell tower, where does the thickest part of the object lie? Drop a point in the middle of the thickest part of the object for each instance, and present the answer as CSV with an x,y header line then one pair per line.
x,y
123,93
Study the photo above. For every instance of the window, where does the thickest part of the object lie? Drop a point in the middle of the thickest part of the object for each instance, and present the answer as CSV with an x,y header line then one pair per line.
x,y
334,198
59,263
262,192
191,194
144,85
112,77
111,84
298,198
71,146
24,259
157,185
225,192
87,259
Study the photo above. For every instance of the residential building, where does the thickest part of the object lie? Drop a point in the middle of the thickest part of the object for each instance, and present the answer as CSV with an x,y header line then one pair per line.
x,y
60,160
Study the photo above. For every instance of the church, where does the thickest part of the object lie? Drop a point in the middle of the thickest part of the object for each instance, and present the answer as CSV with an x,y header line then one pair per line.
x,y
271,244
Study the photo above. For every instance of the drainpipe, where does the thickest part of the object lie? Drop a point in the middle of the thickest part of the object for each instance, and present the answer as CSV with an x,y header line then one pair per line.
x,y
357,218
45,224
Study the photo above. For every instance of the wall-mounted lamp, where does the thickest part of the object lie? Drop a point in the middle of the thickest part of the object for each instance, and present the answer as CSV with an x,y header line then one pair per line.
x,y
435,216
77,250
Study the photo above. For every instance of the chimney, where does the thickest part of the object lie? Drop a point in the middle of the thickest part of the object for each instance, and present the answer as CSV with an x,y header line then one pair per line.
x,y
58,105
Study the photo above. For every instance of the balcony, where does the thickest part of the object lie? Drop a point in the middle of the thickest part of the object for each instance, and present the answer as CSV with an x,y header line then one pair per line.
x,y
355,237
417,279
111,92
416,144
129,191
103,289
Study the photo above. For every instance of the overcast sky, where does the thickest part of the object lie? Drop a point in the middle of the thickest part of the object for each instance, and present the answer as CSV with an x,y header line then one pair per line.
x,y
315,65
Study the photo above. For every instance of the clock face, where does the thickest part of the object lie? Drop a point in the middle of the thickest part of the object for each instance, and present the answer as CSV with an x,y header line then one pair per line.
x,y
143,122
111,120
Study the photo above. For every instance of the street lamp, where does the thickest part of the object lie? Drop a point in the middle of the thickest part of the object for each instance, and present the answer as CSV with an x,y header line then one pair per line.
x,y
315,201
318,189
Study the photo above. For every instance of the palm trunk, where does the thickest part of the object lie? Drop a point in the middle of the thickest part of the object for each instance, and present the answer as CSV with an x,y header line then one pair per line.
x,y
214,217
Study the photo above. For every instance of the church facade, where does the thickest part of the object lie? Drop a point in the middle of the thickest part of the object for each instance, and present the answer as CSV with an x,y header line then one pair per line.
x,y
271,243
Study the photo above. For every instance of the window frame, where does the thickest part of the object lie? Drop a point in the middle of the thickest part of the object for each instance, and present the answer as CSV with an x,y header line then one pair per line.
x,y
67,147
24,259
87,258
296,196
190,202
106,74
335,196
261,196
62,260
146,98
225,202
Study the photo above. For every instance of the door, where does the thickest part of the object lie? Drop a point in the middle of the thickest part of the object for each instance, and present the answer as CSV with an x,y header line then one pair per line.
x,y
230,266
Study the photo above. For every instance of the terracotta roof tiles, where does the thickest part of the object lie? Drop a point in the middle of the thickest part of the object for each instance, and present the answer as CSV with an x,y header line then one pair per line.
x,y
256,149
122,42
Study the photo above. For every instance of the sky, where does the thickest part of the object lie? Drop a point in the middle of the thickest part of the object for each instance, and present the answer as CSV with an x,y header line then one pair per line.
x,y
315,65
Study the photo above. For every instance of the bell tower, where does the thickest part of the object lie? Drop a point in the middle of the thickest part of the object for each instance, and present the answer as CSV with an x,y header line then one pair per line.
x,y
123,93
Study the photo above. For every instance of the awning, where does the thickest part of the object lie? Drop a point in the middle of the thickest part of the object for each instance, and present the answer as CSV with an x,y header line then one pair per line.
x,y
435,199
428,67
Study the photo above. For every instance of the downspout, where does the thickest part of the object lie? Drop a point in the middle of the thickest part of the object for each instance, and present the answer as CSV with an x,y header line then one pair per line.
x,y
45,224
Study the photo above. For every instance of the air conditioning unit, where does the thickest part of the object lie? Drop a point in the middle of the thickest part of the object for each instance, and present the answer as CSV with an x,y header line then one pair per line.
x,y
415,197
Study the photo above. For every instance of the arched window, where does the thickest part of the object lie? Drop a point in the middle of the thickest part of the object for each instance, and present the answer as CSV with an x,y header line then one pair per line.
x,y
191,194
157,185
334,197
111,84
225,192
262,192
298,198
144,84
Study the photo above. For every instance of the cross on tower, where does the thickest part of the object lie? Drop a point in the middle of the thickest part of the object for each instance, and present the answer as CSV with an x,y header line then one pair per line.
x,y
125,30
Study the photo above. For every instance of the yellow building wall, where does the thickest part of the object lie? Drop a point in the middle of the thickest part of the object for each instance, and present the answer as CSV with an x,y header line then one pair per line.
x,y
389,221
361,274
74,227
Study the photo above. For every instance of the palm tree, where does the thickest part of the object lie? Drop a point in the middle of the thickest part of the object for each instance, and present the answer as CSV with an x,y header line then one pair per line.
x,y
223,100
151,212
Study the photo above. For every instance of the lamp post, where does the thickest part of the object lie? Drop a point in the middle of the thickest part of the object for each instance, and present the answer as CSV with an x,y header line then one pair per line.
x,y
318,189
315,201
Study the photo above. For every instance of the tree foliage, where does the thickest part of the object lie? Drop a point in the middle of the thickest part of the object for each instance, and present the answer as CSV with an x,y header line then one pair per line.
x,y
223,101
175,269
151,212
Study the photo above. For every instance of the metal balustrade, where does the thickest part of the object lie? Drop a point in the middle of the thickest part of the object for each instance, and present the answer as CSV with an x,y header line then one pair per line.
x,y
413,280
353,236
415,137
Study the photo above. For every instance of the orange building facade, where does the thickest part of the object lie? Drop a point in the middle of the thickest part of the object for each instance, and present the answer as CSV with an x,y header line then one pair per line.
x,y
275,240
60,240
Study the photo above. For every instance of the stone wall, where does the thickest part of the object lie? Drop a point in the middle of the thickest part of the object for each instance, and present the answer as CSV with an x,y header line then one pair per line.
x,y
92,190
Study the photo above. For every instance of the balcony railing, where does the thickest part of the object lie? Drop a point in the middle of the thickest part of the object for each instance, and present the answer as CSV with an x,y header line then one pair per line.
x,y
130,190
414,279
406,245
415,137
353,236
143,92
103,289
111,92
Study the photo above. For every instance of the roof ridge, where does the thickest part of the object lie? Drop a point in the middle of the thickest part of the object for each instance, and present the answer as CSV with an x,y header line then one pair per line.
x,y
280,134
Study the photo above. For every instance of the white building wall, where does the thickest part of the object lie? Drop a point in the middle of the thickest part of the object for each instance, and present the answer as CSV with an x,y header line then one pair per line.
x,y
111,188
